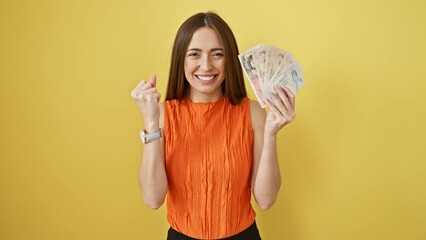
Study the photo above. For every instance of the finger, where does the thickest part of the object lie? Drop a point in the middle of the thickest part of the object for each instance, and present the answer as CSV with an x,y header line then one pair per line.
x,y
150,90
285,109
140,83
277,103
284,99
153,80
133,92
140,87
283,118
140,93
158,97
151,84
291,97
288,117
152,97
273,108
146,86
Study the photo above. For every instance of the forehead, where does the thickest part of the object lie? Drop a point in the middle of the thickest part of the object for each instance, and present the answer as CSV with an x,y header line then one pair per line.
x,y
205,38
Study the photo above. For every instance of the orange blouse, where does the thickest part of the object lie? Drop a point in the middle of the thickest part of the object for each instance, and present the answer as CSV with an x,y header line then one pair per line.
x,y
209,152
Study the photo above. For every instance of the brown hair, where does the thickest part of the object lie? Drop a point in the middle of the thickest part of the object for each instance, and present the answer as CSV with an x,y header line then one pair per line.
x,y
233,85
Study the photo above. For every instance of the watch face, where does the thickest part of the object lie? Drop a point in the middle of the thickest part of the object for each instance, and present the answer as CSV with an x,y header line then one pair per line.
x,y
143,137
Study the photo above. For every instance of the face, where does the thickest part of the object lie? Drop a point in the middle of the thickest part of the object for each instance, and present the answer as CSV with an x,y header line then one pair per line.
x,y
205,65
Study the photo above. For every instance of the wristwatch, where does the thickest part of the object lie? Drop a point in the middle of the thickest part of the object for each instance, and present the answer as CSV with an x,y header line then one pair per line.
x,y
149,137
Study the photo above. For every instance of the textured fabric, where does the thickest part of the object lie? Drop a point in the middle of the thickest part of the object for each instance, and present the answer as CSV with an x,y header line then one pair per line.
x,y
251,233
209,152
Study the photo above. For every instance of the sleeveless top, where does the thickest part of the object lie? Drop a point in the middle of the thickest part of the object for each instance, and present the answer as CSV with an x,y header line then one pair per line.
x,y
209,155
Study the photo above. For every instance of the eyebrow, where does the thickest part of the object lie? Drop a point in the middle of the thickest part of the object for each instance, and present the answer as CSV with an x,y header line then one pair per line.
x,y
199,50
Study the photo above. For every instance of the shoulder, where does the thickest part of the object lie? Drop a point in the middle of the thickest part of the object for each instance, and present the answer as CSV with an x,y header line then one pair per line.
x,y
169,110
172,103
167,104
257,114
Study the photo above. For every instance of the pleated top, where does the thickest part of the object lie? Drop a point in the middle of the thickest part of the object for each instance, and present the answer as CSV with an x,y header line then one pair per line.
x,y
209,152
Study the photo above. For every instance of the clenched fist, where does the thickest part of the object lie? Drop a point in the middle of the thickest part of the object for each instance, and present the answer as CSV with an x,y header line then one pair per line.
x,y
147,98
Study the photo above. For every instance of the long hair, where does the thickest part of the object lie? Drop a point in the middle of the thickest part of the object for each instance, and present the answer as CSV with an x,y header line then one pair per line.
x,y
233,85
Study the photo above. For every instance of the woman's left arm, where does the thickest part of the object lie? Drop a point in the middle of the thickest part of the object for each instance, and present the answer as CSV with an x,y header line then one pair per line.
x,y
266,177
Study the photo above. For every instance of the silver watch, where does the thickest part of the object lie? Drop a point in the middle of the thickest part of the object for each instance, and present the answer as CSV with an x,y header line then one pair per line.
x,y
149,137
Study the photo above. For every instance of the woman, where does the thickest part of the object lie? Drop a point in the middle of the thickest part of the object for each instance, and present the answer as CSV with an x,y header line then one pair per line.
x,y
217,147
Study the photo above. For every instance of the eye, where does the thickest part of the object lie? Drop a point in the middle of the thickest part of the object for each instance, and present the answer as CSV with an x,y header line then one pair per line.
x,y
192,54
218,54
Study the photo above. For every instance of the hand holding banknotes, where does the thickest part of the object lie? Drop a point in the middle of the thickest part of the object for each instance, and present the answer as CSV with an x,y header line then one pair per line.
x,y
282,109
275,77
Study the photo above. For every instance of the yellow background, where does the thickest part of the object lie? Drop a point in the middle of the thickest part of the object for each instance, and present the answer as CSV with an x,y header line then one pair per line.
x,y
353,161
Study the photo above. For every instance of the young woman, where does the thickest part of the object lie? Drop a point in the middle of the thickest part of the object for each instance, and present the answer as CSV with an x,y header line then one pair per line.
x,y
208,147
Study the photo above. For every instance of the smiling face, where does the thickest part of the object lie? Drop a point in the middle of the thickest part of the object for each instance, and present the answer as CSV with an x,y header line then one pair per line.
x,y
205,66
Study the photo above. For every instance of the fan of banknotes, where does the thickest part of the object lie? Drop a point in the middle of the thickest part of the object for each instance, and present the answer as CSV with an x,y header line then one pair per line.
x,y
267,66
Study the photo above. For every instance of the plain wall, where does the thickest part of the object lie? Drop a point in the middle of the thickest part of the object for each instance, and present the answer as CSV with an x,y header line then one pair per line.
x,y
352,162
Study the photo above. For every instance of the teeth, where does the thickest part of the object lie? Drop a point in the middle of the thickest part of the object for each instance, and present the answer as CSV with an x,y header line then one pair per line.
x,y
205,78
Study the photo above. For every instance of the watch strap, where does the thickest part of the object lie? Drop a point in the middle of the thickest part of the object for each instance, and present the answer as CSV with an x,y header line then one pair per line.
x,y
149,137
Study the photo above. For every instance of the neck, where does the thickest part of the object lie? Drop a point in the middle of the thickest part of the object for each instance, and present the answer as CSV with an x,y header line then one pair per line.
x,y
204,98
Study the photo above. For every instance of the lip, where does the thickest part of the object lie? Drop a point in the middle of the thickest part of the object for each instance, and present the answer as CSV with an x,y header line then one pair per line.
x,y
206,78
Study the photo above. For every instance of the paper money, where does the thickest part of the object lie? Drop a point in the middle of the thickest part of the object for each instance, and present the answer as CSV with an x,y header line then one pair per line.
x,y
251,69
268,66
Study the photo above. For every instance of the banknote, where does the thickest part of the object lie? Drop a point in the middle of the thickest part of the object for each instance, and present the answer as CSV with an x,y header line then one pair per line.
x,y
288,78
268,66
261,59
276,58
250,67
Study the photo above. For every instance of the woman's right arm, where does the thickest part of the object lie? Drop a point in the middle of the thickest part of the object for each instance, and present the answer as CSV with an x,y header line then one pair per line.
x,y
152,174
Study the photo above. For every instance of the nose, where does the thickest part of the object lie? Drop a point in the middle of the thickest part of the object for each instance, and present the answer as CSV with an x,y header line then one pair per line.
x,y
205,63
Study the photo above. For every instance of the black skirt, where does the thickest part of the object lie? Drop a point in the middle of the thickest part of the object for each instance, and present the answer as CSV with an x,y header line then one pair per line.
x,y
251,233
